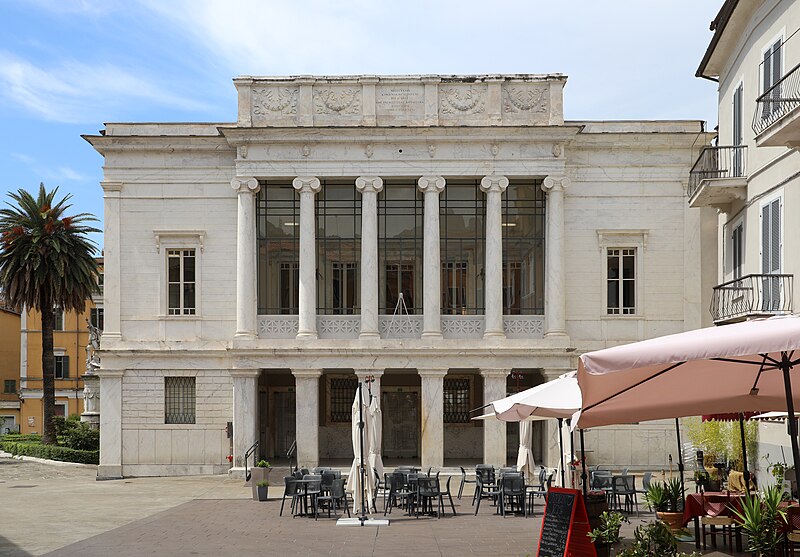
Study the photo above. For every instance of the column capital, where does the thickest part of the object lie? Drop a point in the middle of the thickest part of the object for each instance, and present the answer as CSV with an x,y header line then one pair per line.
x,y
495,373
110,186
432,373
364,373
555,183
307,184
307,373
433,184
252,373
245,185
494,183
369,184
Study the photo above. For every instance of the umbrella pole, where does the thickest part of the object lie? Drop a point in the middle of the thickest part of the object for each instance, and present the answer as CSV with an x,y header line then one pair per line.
x,y
680,455
363,516
571,454
787,385
561,447
744,453
583,471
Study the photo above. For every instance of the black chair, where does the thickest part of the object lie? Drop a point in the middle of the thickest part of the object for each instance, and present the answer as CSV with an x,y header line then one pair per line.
x,y
647,479
335,497
398,494
485,490
447,492
327,481
310,489
428,491
486,476
623,494
290,489
512,492
464,480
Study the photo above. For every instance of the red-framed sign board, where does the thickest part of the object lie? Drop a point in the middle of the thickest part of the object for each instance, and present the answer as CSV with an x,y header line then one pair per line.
x,y
565,526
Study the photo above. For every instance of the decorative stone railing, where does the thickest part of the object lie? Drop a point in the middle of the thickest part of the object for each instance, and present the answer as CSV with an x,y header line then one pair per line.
x,y
400,327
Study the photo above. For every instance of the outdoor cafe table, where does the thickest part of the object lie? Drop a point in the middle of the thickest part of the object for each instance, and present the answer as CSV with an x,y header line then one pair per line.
x,y
713,503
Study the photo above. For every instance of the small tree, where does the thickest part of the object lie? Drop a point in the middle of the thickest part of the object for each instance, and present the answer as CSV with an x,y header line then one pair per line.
x,y
46,261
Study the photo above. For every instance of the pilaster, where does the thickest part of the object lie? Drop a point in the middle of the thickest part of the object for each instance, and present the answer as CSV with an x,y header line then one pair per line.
x,y
431,186
246,288
369,186
112,193
555,275
432,417
245,412
494,431
308,187
494,186
110,424
306,383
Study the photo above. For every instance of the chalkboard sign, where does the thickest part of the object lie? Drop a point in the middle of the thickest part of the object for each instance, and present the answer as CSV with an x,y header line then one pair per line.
x,y
565,526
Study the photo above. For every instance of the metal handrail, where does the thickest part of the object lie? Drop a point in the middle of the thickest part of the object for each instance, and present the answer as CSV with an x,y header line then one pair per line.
x,y
247,455
718,162
751,295
777,101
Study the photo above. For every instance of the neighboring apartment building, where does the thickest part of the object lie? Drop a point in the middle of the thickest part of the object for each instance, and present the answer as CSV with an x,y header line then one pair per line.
x,y
450,237
751,177
9,369
70,337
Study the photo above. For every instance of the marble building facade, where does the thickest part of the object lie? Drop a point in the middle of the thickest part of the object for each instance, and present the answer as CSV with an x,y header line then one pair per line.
x,y
450,238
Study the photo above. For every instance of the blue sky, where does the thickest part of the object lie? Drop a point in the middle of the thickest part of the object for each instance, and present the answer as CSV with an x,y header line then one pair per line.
x,y
68,66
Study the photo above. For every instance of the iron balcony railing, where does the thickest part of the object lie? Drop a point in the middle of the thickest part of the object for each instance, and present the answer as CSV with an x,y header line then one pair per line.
x,y
777,101
718,162
752,295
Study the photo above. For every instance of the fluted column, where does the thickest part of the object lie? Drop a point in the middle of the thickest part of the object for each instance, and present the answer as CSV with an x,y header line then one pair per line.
x,y
555,293
246,304
306,384
432,417
369,186
245,412
374,378
494,186
308,186
431,186
494,431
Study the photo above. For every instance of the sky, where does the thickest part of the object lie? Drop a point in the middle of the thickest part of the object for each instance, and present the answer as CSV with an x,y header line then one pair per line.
x,y
69,66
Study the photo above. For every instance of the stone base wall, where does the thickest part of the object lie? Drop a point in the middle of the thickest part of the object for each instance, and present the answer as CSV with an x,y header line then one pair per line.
x,y
463,441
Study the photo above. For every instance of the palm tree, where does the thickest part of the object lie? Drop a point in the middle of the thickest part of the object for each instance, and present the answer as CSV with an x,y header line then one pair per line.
x,y
46,261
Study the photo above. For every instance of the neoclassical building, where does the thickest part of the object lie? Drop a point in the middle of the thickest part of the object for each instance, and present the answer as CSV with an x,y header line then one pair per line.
x,y
450,238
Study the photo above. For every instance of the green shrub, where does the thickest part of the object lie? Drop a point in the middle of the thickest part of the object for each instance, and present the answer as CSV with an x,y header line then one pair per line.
x,y
50,452
81,437
22,438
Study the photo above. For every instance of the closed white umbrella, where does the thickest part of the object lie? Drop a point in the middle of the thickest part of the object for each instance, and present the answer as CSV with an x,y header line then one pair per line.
x,y
375,435
525,462
360,410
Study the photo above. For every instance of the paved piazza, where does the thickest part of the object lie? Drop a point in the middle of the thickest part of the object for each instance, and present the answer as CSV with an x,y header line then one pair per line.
x,y
63,511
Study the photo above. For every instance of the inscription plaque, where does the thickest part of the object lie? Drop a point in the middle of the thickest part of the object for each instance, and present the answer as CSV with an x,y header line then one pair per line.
x,y
400,100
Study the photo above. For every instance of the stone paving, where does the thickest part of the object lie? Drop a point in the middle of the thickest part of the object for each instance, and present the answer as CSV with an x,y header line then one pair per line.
x,y
62,511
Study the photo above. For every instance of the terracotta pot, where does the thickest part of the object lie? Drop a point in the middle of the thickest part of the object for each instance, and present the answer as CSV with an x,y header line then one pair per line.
x,y
673,520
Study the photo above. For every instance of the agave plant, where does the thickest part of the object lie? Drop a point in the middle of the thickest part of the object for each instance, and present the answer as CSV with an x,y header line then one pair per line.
x,y
762,519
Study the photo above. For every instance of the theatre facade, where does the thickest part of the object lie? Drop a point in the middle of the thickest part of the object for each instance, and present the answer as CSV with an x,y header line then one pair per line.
x,y
447,239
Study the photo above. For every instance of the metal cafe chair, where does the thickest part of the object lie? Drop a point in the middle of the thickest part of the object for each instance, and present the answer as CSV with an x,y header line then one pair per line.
x,y
290,489
512,491
464,480
428,491
484,473
336,496
486,490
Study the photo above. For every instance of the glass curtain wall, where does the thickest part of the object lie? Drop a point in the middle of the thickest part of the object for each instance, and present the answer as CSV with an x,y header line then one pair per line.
x,y
400,226
278,229
338,248
523,248
462,210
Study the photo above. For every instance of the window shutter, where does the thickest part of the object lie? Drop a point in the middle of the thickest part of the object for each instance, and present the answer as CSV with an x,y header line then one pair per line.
x,y
65,366
775,236
765,235
776,74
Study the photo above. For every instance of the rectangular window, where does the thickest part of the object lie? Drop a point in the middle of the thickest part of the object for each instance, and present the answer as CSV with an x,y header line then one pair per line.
x,y
62,367
512,287
621,281
344,287
61,409
289,287
181,281
10,386
771,75
58,319
179,400
457,404
454,287
96,317
100,282
399,280
341,393
737,251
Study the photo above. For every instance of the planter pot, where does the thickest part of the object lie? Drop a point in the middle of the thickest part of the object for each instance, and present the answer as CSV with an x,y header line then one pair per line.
x,y
258,475
602,549
262,492
673,520
595,505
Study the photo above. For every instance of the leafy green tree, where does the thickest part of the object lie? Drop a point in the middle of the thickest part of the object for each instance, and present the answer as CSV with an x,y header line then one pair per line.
x,y
46,261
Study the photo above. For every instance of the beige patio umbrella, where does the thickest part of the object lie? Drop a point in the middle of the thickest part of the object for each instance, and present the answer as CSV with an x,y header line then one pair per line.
x,y
360,421
525,462
375,435
743,367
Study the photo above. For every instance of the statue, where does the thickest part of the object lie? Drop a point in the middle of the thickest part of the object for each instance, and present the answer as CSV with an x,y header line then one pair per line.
x,y
91,382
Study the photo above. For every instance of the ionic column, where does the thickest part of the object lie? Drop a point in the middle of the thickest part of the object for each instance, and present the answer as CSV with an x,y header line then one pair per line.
x,y
375,385
432,417
369,186
431,186
111,253
245,412
246,250
554,283
494,431
110,424
308,186
494,186
306,384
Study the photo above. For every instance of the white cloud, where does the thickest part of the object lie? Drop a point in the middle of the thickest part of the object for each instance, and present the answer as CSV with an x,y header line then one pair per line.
x,y
23,158
74,92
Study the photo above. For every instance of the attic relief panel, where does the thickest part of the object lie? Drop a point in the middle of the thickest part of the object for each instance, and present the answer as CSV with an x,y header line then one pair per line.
x,y
462,100
526,99
337,100
270,101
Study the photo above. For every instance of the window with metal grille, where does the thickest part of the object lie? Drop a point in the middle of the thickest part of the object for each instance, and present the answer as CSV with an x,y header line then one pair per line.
x,y
621,281
179,400
61,367
523,248
400,216
341,393
278,231
457,400
181,281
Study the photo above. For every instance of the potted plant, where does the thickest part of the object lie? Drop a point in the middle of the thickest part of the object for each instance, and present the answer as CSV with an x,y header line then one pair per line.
x,y
762,519
262,490
653,538
259,473
666,499
606,535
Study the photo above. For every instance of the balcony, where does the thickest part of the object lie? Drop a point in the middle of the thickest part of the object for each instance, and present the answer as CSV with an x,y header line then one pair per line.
x,y
776,121
752,296
718,177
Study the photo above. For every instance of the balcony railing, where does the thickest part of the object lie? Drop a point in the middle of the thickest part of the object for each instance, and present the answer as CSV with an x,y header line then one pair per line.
x,y
716,163
784,96
752,296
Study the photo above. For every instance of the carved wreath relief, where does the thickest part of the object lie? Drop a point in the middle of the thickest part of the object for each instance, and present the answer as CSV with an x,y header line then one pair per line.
x,y
524,99
274,100
462,100
337,101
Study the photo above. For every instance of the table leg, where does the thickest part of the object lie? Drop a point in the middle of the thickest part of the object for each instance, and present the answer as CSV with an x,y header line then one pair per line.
x,y
697,532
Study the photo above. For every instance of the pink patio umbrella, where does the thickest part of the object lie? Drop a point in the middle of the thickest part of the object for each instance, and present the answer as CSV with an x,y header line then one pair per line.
x,y
743,367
